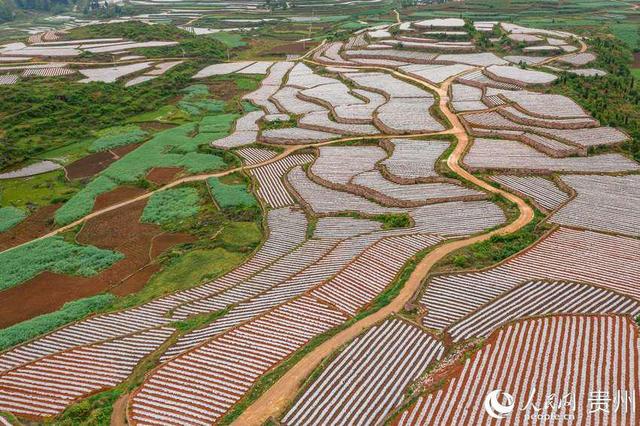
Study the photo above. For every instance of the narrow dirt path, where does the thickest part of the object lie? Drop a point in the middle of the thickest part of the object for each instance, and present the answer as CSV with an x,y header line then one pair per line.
x,y
273,402
289,149
195,178
118,415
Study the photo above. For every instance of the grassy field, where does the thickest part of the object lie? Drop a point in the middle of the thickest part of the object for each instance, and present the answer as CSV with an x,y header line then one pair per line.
x,y
183,272
38,190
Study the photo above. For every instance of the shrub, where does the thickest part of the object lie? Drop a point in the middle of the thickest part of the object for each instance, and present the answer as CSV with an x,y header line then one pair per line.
x,y
9,217
71,311
52,254
394,220
171,205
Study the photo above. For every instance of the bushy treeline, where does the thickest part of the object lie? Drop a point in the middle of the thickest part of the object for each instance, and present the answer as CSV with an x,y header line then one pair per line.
x,y
41,116
613,99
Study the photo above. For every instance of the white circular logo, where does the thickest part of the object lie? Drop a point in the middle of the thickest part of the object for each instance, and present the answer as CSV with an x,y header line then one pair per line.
x,y
497,409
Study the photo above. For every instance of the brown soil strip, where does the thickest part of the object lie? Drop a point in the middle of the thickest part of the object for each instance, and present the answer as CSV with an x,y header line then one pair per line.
x,y
116,196
163,175
118,417
155,126
292,48
225,90
35,225
93,164
116,230
165,241
136,282
124,150
90,165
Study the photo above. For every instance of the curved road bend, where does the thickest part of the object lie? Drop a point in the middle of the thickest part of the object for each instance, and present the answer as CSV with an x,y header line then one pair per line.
x,y
278,397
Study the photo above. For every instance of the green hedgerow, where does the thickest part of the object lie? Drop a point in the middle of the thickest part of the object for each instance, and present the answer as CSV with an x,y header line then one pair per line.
x,y
171,205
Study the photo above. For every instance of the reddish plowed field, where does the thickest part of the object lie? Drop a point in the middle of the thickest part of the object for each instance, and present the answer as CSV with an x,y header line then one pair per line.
x,y
35,225
166,241
137,281
122,193
95,163
163,175
224,90
118,230
89,165
292,48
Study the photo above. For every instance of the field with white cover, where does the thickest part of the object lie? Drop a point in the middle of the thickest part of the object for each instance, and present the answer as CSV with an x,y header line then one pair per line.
x,y
346,149
566,345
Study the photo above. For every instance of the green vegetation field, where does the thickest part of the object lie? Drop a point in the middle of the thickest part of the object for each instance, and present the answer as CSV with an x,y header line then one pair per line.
x,y
229,195
182,146
52,254
170,206
9,217
40,190
115,137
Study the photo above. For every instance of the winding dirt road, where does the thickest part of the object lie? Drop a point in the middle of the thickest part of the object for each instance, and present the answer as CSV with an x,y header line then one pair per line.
x,y
278,397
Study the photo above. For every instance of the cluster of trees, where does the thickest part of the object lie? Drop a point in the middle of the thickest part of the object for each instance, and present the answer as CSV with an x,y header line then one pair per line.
x,y
9,8
41,116
614,99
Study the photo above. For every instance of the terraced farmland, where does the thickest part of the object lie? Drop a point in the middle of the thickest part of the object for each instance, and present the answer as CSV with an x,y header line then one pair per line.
x,y
566,345
603,203
366,192
563,255
365,381
542,191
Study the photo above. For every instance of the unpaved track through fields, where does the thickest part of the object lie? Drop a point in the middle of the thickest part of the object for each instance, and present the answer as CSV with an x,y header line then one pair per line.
x,y
279,396
289,149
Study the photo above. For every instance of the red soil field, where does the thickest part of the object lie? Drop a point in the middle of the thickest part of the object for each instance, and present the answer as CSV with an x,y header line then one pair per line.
x,y
297,47
95,163
165,241
137,281
224,90
38,223
121,193
118,230
163,175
